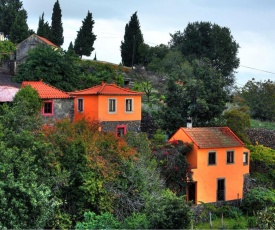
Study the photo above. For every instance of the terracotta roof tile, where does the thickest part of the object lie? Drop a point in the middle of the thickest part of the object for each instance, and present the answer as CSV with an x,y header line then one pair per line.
x,y
106,89
46,91
46,41
7,93
213,137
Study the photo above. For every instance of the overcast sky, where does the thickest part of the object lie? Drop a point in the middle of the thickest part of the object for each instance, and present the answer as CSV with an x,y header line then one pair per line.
x,y
251,23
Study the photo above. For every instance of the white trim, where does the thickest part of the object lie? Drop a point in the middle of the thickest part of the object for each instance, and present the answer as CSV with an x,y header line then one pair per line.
x,y
108,104
132,105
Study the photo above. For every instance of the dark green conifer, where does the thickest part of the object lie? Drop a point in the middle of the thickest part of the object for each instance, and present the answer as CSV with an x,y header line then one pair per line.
x,y
133,39
19,30
85,37
44,29
56,27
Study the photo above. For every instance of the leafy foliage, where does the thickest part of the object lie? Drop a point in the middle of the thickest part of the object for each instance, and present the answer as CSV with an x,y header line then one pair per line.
x,y
6,48
25,189
55,67
260,97
9,10
266,218
44,29
173,165
262,161
258,199
84,41
19,30
206,40
133,39
238,122
168,212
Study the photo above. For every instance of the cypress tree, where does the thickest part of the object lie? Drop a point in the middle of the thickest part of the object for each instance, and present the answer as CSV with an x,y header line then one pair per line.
x,y
85,37
71,47
56,27
44,29
19,30
133,39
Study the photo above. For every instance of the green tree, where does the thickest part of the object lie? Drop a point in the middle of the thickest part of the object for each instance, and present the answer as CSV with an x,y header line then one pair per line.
x,y
85,37
6,49
55,67
238,122
19,30
168,212
56,27
194,90
260,97
207,40
44,29
9,10
133,39
26,198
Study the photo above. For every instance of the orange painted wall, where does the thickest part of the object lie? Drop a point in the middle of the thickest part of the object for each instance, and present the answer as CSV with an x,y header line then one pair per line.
x,y
90,105
96,108
206,175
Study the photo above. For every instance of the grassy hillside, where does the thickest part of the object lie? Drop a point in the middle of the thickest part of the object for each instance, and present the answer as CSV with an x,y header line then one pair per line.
x,y
262,124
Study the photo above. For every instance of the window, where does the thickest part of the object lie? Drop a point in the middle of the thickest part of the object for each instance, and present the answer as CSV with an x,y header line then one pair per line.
x,y
121,130
129,105
48,108
80,105
245,158
230,157
112,105
211,158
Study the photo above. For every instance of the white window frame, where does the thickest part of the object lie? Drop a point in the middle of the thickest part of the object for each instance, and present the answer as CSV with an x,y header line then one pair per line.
x,y
115,109
245,158
132,105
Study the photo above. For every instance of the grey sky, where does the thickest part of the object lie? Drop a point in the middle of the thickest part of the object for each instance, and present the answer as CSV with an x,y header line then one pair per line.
x,y
251,23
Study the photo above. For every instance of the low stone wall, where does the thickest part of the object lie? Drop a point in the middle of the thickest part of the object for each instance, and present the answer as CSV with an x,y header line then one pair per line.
x,y
110,126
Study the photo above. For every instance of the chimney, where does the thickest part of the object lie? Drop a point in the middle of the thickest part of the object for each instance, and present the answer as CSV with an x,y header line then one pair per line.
x,y
189,122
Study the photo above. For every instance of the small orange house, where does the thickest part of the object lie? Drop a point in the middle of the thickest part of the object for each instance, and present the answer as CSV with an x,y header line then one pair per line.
x,y
116,109
56,103
219,163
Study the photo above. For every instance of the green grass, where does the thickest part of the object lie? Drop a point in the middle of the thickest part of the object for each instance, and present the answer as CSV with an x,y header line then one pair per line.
x,y
262,124
228,223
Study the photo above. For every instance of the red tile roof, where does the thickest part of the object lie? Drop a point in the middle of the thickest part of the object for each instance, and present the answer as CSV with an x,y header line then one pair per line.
x,y
213,137
7,93
46,91
46,41
106,89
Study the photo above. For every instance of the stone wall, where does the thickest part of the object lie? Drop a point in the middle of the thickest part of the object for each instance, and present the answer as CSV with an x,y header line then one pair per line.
x,y
63,108
110,126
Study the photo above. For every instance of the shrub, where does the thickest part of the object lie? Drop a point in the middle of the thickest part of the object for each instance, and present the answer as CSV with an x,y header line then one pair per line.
x,y
136,221
257,199
168,211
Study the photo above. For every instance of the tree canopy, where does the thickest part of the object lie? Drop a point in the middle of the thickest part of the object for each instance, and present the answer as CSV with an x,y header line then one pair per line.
x,y
9,10
85,37
133,39
207,40
44,29
19,30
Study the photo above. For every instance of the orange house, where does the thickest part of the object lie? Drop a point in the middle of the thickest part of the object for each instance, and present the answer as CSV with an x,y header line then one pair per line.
x,y
219,163
116,109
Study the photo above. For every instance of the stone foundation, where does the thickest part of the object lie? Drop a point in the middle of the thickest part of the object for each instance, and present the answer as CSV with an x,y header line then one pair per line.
x,y
110,126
